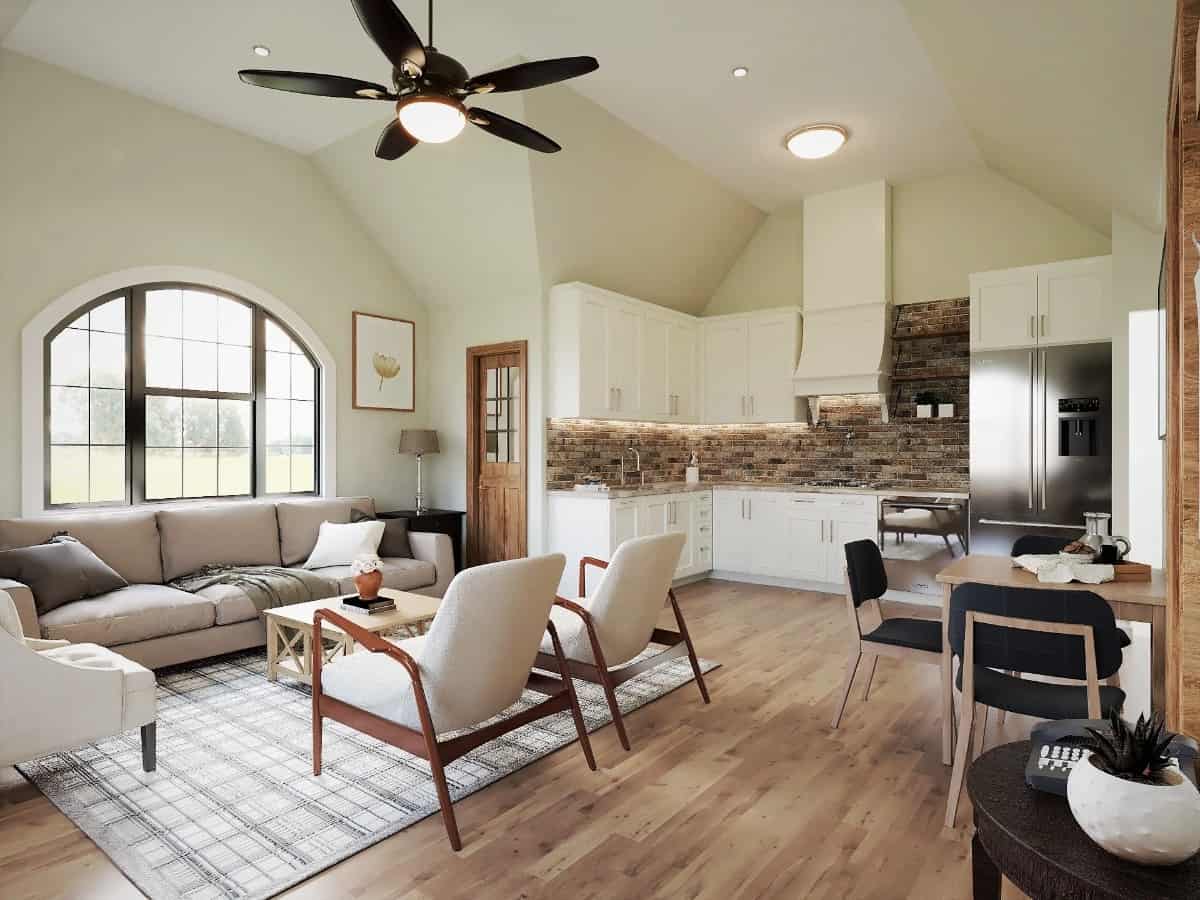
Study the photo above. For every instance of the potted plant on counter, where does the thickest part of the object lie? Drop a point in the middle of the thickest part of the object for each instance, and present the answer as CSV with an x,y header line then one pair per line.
x,y
925,401
1131,798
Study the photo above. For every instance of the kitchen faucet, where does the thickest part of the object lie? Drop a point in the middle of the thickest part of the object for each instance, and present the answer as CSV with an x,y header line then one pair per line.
x,y
637,462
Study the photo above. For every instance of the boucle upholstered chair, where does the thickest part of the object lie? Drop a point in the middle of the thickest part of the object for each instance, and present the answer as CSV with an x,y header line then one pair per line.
x,y
99,693
472,664
602,633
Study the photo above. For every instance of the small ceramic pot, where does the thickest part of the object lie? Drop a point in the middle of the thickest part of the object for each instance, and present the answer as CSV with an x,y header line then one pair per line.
x,y
1151,824
924,410
945,410
369,584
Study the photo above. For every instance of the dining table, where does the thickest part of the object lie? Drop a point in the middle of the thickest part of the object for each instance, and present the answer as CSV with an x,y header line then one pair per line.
x,y
1131,601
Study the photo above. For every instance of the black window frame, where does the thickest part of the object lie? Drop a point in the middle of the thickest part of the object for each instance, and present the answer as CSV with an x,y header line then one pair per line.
x,y
136,393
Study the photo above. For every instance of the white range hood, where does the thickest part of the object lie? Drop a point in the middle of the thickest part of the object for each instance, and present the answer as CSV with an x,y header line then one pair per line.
x,y
847,342
846,350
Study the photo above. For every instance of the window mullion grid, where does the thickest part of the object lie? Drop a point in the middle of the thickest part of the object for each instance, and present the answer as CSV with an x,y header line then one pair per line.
x,y
135,406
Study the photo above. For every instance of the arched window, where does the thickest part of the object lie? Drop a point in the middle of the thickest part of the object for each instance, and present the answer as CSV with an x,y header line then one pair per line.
x,y
168,391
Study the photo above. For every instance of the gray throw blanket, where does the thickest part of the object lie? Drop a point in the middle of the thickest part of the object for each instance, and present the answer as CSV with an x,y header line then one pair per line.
x,y
266,586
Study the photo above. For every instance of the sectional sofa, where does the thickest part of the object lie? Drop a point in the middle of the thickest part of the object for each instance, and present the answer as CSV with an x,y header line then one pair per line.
x,y
157,624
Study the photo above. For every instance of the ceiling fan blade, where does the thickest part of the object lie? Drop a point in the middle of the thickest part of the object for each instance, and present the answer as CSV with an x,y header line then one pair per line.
x,y
389,29
532,74
317,84
394,141
502,127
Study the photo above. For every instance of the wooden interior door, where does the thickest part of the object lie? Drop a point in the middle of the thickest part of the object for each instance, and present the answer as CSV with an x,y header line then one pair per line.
x,y
497,442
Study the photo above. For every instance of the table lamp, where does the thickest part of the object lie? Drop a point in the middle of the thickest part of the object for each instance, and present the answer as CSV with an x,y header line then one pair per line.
x,y
419,441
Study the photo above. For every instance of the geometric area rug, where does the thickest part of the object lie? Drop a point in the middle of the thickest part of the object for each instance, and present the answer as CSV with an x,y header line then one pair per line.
x,y
234,811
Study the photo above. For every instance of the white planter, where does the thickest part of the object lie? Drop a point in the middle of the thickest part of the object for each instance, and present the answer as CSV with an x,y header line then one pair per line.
x,y
1151,824
924,410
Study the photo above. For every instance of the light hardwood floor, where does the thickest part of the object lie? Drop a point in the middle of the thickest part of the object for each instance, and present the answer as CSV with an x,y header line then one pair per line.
x,y
753,796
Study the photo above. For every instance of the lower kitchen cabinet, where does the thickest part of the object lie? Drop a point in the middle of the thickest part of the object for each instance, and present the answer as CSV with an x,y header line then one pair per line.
x,y
596,526
794,536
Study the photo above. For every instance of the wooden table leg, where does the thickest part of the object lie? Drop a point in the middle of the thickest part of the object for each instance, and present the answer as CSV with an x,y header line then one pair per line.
x,y
272,649
985,877
947,682
1158,660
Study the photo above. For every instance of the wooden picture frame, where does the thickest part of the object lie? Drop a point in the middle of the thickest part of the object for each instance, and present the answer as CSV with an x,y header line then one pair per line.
x,y
384,359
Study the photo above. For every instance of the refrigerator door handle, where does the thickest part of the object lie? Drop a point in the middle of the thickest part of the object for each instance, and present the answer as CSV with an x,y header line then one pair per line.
x,y
1029,524
1032,386
1045,426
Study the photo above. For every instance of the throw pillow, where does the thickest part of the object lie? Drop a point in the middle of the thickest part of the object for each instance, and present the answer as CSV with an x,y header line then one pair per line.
x,y
395,543
59,572
338,544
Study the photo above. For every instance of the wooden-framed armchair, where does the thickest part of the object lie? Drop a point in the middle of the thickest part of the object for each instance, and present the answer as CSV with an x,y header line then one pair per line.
x,y
472,664
603,633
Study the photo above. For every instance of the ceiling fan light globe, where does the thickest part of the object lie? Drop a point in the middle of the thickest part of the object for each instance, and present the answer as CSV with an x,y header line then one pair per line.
x,y
432,120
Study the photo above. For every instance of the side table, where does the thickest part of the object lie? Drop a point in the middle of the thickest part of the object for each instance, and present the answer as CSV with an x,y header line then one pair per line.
x,y
1031,838
439,521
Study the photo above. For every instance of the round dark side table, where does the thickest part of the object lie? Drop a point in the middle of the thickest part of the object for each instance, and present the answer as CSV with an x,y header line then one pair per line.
x,y
1031,838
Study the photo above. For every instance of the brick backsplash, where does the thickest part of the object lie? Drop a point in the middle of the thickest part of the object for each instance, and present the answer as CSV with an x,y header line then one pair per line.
x,y
850,442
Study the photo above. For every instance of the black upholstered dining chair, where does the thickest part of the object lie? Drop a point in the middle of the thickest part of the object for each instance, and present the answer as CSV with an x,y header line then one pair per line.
x,y
1059,634
919,639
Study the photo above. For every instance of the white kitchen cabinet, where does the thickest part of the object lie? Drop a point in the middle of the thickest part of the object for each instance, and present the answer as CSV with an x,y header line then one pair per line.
x,y
613,357
596,526
794,536
748,365
1058,303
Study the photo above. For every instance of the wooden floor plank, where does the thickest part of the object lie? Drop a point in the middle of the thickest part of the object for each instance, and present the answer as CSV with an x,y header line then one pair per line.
x,y
751,796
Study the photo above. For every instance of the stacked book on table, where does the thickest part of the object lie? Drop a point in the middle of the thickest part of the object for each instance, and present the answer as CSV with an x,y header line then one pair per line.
x,y
353,603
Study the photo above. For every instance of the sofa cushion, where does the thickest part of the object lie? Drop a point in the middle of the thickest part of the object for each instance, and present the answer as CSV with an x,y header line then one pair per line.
x,y
134,613
300,520
59,572
231,534
400,574
126,541
395,541
233,604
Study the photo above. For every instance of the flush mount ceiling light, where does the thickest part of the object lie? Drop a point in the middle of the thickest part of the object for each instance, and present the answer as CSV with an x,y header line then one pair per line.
x,y
816,141
261,50
739,72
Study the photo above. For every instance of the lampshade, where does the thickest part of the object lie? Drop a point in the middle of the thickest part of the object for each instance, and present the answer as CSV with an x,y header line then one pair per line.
x,y
433,120
418,441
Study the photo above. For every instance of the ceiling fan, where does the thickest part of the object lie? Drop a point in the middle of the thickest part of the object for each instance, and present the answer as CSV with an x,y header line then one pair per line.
x,y
428,87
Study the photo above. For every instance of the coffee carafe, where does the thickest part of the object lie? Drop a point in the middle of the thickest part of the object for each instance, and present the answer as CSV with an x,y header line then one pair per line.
x,y
1107,548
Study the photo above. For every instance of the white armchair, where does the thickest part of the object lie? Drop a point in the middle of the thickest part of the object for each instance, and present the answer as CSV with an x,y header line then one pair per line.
x,y
603,633
470,666
98,693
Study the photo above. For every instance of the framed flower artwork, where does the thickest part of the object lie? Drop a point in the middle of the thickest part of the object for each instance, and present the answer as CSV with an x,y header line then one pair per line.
x,y
384,358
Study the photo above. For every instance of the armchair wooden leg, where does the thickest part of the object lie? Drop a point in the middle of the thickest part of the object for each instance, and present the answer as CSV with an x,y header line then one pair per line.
x,y
965,723
318,729
981,718
576,712
150,747
851,668
870,676
611,696
687,639
443,792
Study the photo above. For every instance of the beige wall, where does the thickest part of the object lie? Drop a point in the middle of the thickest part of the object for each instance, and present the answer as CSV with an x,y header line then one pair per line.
x,y
617,210
769,272
95,180
947,227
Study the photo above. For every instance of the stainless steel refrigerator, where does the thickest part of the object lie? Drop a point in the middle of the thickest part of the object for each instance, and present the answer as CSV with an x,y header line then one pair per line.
x,y
1041,442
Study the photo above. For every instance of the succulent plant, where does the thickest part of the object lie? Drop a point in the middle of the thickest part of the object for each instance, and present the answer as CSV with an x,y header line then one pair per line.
x,y
1135,755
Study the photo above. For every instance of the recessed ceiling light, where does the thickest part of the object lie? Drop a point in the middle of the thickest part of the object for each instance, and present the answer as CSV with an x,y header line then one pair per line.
x,y
816,141
739,72
261,50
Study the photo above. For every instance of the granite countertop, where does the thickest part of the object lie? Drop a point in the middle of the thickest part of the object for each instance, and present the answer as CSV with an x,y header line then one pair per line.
x,y
616,492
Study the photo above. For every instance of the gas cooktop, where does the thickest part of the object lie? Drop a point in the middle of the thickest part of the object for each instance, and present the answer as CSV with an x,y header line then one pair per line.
x,y
842,483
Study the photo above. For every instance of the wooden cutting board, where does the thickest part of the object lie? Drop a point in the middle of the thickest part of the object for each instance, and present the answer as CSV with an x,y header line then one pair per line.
x,y
1127,570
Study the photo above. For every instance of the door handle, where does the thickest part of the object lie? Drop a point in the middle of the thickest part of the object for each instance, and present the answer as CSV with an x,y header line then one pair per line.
x,y
749,509
751,404
1032,333
1042,366
1029,524
1032,388
1043,324
822,531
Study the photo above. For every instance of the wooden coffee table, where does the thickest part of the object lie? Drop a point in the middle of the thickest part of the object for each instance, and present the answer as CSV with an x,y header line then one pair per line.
x,y
290,630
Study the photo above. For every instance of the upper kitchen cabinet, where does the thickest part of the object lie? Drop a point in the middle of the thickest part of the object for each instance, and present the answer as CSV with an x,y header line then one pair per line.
x,y
613,357
748,365
1058,303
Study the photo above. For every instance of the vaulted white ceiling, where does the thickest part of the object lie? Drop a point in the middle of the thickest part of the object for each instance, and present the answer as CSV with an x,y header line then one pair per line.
x,y
924,86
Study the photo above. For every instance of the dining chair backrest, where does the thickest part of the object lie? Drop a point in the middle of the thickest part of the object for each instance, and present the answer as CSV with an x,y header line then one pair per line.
x,y
476,657
1033,652
632,593
865,572
1039,544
